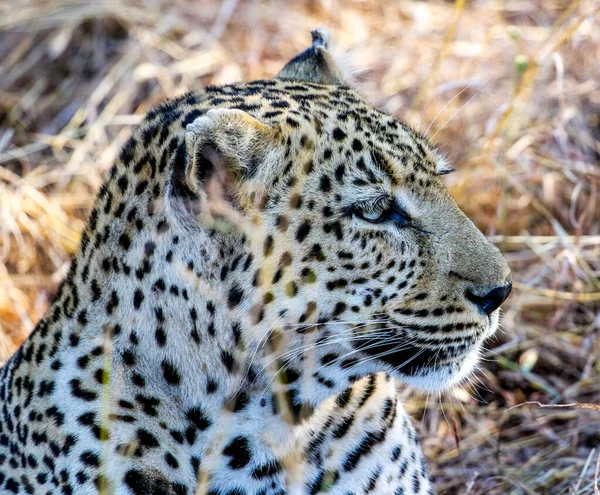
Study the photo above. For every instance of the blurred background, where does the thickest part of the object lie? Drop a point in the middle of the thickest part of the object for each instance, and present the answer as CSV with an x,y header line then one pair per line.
x,y
508,90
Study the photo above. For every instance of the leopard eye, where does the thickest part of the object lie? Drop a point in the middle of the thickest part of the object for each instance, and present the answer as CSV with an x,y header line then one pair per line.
x,y
381,214
372,216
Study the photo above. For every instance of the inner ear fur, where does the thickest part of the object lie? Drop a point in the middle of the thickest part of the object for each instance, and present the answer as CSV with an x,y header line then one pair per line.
x,y
225,145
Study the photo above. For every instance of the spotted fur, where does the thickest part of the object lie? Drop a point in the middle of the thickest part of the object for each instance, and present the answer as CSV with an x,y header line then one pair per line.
x,y
237,312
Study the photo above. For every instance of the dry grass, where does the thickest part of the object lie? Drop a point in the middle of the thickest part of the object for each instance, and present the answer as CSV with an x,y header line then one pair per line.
x,y
509,90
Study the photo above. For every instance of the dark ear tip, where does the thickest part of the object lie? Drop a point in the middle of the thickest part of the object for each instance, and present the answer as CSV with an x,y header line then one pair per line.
x,y
320,37
315,64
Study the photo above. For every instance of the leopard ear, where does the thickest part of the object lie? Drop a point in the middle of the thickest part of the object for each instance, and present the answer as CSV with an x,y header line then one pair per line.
x,y
222,147
315,64
226,143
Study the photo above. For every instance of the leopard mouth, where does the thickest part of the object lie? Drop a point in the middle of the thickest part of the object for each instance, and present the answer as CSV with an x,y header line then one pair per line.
x,y
425,362
411,359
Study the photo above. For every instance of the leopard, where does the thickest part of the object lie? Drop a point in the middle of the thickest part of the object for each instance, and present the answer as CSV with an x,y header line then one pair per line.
x,y
264,263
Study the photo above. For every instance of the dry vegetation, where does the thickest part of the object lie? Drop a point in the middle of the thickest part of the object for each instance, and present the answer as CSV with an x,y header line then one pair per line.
x,y
509,90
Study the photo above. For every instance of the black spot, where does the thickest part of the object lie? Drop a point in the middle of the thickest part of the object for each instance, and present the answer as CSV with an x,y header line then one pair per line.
x,y
82,317
191,116
123,183
138,298
278,276
341,429
328,358
149,248
266,470
239,452
112,303
343,399
337,284
195,465
124,241
90,458
11,485
198,419
149,404
339,173
132,214
81,393
190,435
373,482
146,439
235,296
133,338
335,228
368,391
141,187
340,307
96,291
177,436
317,483
126,404
228,360
211,329
211,386
338,134
302,231
101,376
292,123
171,461
366,445
387,408
416,483
170,373
138,380
238,402
237,333
160,336
268,248
325,184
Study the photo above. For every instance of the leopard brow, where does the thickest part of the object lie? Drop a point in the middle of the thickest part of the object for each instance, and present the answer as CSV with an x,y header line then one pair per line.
x,y
372,201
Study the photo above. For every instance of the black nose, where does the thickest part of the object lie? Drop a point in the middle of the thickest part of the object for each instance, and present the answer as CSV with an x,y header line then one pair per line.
x,y
491,301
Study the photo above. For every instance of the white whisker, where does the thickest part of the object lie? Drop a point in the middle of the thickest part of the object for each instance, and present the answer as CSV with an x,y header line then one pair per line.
x,y
445,105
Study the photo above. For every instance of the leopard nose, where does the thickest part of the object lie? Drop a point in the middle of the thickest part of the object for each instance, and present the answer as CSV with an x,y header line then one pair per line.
x,y
490,301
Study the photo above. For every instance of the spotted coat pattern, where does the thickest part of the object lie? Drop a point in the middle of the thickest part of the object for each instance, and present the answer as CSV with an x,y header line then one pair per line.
x,y
263,261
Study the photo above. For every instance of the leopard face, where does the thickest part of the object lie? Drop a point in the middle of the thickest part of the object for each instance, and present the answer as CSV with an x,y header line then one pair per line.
x,y
366,261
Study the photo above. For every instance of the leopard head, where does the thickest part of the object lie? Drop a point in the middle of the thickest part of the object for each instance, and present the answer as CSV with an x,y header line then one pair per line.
x,y
364,262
